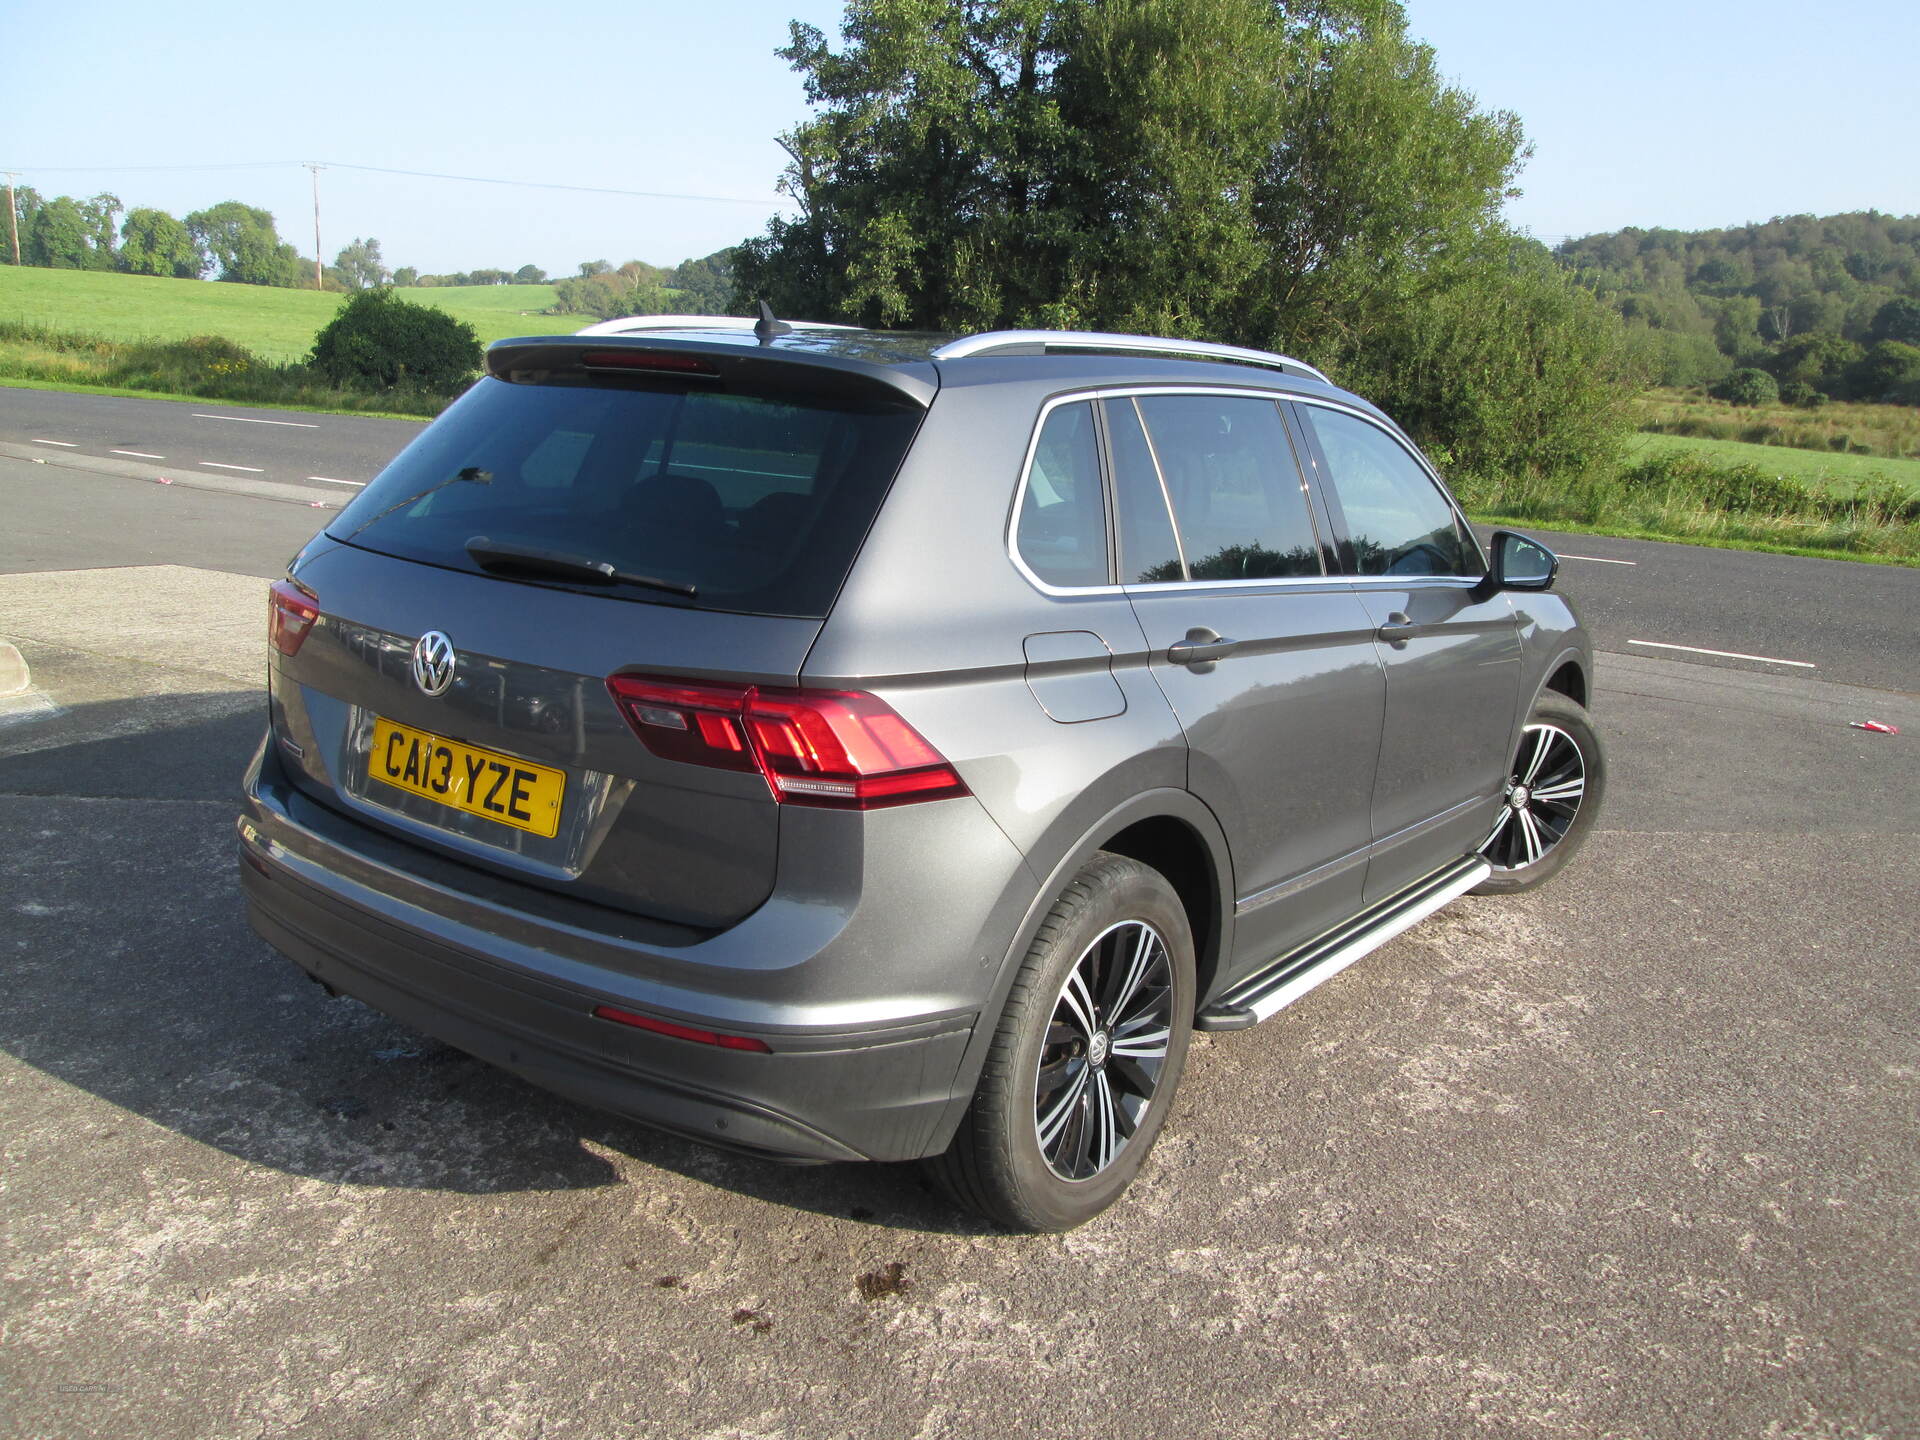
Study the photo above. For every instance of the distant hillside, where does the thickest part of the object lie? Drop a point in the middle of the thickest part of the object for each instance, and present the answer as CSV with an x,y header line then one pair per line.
x,y
275,324
1806,297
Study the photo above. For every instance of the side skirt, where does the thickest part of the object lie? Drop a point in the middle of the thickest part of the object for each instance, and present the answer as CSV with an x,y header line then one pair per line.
x,y
1275,986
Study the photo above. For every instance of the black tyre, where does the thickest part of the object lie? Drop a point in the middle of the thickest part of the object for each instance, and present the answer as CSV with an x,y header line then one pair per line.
x,y
1555,788
1086,1056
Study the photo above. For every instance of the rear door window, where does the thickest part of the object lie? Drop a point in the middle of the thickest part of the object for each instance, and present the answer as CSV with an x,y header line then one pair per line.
x,y
758,502
1238,499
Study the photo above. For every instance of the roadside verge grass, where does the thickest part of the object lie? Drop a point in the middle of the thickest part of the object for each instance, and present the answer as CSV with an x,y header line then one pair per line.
x,y
1702,500
1822,470
1836,428
204,367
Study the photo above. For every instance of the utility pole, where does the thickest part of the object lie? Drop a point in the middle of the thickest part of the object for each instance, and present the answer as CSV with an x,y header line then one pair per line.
x,y
13,215
319,277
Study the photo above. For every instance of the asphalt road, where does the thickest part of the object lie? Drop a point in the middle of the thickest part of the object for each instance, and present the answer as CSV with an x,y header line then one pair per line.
x,y
1630,1157
330,454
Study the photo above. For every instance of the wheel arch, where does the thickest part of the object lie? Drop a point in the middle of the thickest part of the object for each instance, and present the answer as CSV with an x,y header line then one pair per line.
x,y
1569,677
1569,673
1171,830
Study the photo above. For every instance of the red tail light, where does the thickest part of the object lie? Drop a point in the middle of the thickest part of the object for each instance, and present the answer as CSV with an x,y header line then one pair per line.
x,y
834,748
665,361
291,611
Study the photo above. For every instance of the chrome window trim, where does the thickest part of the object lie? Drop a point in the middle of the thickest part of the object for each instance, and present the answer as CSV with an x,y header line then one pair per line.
x,y
1020,499
1394,433
1160,478
1130,392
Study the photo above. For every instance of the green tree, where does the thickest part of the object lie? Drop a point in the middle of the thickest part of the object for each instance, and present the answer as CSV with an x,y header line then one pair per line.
x,y
1897,320
1671,357
102,217
359,265
244,245
1748,387
1820,361
606,295
152,242
529,275
26,205
1889,371
406,275
1514,369
707,282
376,341
1238,169
57,236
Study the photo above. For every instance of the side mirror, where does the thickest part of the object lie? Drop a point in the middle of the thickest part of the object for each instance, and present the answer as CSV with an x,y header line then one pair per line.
x,y
1520,563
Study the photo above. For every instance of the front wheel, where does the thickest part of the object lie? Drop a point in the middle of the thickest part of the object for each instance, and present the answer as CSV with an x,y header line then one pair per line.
x,y
1086,1055
1554,790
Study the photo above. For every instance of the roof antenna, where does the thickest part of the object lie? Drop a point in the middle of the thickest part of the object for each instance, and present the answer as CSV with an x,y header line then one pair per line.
x,y
767,327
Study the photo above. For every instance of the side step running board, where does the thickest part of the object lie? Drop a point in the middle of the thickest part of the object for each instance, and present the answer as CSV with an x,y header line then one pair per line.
x,y
1284,981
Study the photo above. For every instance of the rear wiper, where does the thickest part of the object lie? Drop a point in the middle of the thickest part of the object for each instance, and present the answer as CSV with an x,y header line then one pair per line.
x,y
504,556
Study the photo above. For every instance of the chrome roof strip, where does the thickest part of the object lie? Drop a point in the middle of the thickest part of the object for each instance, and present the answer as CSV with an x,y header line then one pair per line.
x,y
634,324
1002,342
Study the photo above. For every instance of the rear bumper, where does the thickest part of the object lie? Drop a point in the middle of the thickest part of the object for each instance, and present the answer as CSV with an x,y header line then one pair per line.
x,y
885,1091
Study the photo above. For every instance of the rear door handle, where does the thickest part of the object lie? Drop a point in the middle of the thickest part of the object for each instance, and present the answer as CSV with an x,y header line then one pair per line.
x,y
1398,630
1200,646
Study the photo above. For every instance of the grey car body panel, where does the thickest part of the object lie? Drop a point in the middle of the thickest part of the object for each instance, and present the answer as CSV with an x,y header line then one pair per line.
x,y
699,846
1282,735
1452,690
873,950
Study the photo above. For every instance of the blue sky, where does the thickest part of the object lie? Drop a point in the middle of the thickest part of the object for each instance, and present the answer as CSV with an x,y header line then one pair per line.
x,y
1684,115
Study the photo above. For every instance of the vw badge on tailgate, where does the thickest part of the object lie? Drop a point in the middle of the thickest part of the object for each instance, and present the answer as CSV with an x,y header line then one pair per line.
x,y
433,662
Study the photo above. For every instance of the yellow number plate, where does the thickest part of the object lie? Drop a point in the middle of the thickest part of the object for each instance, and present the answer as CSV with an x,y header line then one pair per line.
x,y
480,782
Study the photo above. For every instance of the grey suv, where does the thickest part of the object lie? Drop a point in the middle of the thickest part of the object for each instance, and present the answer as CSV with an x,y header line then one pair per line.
x,y
840,745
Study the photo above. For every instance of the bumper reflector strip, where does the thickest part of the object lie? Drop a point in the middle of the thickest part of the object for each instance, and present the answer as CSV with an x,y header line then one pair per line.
x,y
682,1032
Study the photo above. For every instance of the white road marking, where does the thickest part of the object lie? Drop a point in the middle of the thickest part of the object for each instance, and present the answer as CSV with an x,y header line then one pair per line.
x,y
1726,654
67,444
249,420
216,465
138,454
1599,560
328,479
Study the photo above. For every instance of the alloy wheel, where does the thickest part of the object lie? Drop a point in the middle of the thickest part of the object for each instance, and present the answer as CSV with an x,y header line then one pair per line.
x,y
1105,1049
1543,796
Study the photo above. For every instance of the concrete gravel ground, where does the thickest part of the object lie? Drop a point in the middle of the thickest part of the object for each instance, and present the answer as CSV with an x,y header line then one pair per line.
x,y
1634,1156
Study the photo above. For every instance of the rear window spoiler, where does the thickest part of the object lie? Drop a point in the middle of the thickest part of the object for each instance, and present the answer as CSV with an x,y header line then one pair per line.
x,y
788,367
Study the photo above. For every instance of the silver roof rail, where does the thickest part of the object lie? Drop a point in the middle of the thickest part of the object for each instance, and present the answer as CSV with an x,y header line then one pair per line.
x,y
634,324
1038,342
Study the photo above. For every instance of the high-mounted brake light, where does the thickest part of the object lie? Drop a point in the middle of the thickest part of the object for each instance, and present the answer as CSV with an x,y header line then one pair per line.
x,y
839,749
682,1032
291,611
658,360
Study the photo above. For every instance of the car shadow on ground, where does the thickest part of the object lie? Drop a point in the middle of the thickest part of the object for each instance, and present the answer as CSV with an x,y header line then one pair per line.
x,y
133,974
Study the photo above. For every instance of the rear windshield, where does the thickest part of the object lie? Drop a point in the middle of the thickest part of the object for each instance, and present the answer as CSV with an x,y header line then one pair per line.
x,y
757,502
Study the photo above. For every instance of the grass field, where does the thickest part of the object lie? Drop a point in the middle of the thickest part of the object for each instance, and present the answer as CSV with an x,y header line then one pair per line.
x,y
1840,427
277,325
1837,473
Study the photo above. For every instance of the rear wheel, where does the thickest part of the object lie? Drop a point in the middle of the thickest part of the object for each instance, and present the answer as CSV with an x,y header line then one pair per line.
x,y
1086,1056
1554,789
